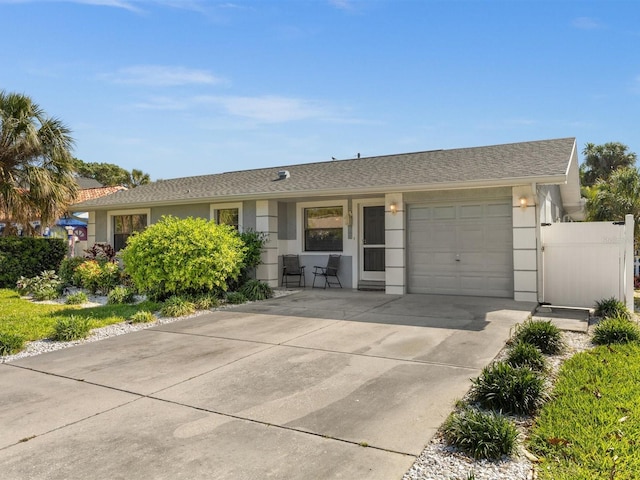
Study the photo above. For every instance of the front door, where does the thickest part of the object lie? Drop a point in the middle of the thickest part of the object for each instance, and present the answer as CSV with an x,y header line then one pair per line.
x,y
372,243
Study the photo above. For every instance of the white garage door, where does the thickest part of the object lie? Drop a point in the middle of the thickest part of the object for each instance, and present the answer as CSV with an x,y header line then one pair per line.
x,y
461,249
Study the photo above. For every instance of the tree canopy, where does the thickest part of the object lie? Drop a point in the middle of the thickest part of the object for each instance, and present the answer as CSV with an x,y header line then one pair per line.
x,y
111,175
600,161
36,166
615,197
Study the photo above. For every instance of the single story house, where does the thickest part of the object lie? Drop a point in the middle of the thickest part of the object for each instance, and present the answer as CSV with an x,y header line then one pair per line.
x,y
461,222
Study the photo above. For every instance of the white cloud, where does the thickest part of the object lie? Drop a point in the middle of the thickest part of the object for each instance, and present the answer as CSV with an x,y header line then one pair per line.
x,y
342,4
261,109
585,23
131,5
270,108
162,76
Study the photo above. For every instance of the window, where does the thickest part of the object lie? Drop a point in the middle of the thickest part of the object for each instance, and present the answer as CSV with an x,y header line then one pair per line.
x,y
228,216
124,226
323,229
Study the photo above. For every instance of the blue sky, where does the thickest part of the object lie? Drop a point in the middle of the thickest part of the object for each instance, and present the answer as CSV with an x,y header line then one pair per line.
x,y
179,88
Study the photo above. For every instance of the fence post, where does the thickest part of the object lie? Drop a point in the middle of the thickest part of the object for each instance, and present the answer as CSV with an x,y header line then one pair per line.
x,y
628,261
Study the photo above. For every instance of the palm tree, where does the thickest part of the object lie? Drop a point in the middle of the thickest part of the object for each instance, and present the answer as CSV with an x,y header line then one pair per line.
x,y
612,199
137,178
602,160
36,166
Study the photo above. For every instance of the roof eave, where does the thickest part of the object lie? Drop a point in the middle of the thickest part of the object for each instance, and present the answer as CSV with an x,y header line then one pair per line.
x,y
506,182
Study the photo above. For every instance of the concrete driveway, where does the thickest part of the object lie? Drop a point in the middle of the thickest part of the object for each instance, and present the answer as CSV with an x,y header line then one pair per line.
x,y
319,384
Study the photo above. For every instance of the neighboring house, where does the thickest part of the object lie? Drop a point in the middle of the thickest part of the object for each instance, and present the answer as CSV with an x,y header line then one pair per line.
x,y
460,222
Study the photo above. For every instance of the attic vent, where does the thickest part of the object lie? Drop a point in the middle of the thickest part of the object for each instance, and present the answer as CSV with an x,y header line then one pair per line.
x,y
282,174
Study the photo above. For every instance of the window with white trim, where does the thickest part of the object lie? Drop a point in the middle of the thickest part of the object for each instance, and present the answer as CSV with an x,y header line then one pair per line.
x,y
227,214
323,229
124,226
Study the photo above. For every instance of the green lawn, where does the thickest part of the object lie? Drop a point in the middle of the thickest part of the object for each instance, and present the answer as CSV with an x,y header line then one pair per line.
x,y
591,428
35,321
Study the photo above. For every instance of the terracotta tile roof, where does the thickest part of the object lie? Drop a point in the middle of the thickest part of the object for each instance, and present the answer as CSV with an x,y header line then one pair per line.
x,y
93,193
509,164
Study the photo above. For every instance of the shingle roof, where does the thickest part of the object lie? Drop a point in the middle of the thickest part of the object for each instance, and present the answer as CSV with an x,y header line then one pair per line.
x,y
84,183
516,162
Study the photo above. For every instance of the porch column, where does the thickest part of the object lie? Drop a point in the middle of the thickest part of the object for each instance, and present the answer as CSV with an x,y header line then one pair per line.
x,y
395,255
91,229
267,222
525,245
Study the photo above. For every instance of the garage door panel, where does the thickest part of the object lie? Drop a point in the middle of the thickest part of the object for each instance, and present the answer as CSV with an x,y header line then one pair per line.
x,y
444,213
463,249
471,212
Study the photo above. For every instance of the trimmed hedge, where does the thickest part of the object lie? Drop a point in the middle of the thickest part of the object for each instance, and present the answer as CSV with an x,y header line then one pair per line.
x,y
28,257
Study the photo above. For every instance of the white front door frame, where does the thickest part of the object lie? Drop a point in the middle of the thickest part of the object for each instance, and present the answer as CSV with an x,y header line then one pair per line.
x,y
359,235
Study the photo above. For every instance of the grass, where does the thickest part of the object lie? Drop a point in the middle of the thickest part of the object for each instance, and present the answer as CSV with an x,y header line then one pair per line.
x,y
591,428
33,321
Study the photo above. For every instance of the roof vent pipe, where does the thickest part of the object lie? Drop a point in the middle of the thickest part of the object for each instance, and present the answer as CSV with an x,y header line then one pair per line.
x,y
282,174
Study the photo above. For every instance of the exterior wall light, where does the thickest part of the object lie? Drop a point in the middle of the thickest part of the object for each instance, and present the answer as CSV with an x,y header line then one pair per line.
x,y
393,208
523,202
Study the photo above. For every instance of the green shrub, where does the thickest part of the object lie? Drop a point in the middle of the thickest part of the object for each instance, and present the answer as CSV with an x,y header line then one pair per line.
x,y
508,389
183,256
142,316
235,298
71,328
176,306
68,269
204,301
615,330
256,290
46,286
97,277
485,435
611,308
120,295
77,298
524,354
10,343
28,256
541,333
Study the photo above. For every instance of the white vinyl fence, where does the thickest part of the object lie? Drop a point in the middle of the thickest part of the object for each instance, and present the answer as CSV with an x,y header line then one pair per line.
x,y
584,262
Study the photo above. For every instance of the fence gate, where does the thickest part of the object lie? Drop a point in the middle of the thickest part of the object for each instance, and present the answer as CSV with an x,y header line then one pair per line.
x,y
584,262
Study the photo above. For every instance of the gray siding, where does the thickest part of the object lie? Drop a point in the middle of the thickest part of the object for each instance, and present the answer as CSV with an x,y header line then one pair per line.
x,y
201,210
249,215
101,228
286,221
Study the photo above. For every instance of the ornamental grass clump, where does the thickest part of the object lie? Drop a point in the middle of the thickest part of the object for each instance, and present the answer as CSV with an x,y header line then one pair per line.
x,y
77,298
483,435
541,333
616,330
176,306
524,354
142,316
10,343
508,389
255,290
120,295
235,298
611,308
71,328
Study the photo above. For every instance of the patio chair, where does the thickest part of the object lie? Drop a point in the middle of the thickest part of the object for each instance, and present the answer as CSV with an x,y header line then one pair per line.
x,y
291,268
330,271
